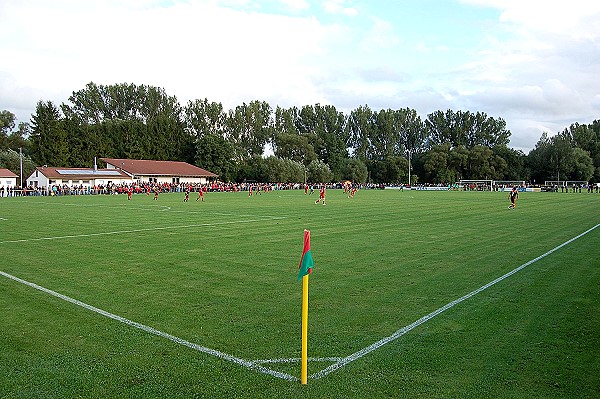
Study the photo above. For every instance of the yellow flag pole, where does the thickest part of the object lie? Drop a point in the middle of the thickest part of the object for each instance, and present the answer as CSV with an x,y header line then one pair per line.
x,y
304,373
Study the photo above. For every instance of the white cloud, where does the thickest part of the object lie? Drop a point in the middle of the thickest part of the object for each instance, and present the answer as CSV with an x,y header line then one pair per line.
x,y
339,7
381,37
296,5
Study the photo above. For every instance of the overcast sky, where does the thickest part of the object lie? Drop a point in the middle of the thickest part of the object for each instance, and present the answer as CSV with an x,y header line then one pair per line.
x,y
535,64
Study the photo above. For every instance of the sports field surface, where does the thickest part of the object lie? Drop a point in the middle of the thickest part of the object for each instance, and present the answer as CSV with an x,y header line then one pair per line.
x,y
414,294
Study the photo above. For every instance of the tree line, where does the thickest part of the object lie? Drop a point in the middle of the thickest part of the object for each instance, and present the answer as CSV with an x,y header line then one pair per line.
x,y
317,142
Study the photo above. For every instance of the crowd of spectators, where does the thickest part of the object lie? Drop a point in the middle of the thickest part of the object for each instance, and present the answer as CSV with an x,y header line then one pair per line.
x,y
145,187
574,188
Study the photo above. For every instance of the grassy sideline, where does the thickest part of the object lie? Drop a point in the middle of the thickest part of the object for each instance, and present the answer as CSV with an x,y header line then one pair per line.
x,y
222,274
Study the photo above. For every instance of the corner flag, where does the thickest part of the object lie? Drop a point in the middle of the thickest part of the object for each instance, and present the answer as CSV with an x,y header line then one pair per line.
x,y
306,262
306,266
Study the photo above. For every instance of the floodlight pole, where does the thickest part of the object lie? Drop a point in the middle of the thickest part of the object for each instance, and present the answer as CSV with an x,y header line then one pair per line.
x,y
21,166
409,167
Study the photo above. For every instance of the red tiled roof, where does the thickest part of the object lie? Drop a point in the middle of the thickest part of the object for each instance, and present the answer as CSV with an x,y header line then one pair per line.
x,y
86,173
157,168
6,173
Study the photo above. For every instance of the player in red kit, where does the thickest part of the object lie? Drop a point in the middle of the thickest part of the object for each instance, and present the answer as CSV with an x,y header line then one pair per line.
x,y
200,194
352,192
321,195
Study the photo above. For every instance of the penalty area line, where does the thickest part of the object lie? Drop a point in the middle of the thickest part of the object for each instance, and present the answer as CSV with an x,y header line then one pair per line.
x,y
256,366
384,341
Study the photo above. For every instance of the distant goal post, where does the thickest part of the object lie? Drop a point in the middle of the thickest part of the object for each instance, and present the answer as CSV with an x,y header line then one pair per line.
x,y
476,184
511,183
490,185
507,185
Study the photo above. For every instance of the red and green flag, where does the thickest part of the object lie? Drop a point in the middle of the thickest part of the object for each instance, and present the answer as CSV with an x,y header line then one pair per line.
x,y
306,262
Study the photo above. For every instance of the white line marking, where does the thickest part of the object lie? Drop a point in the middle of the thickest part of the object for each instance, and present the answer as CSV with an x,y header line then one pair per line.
x,y
404,330
298,360
128,206
122,205
213,352
140,230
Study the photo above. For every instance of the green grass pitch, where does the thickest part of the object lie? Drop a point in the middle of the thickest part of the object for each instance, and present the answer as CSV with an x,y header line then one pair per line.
x,y
221,275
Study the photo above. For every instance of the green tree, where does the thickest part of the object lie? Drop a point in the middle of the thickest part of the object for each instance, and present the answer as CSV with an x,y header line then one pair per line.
x,y
319,172
78,144
253,169
295,147
481,163
538,160
355,170
250,128
361,128
294,171
560,156
466,129
11,137
7,124
97,103
436,165
392,169
130,107
410,132
458,163
441,129
204,117
48,137
515,163
595,149
216,155
396,169
284,170
325,128
287,141
587,137
552,158
385,138
286,121
19,138
583,166
166,127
